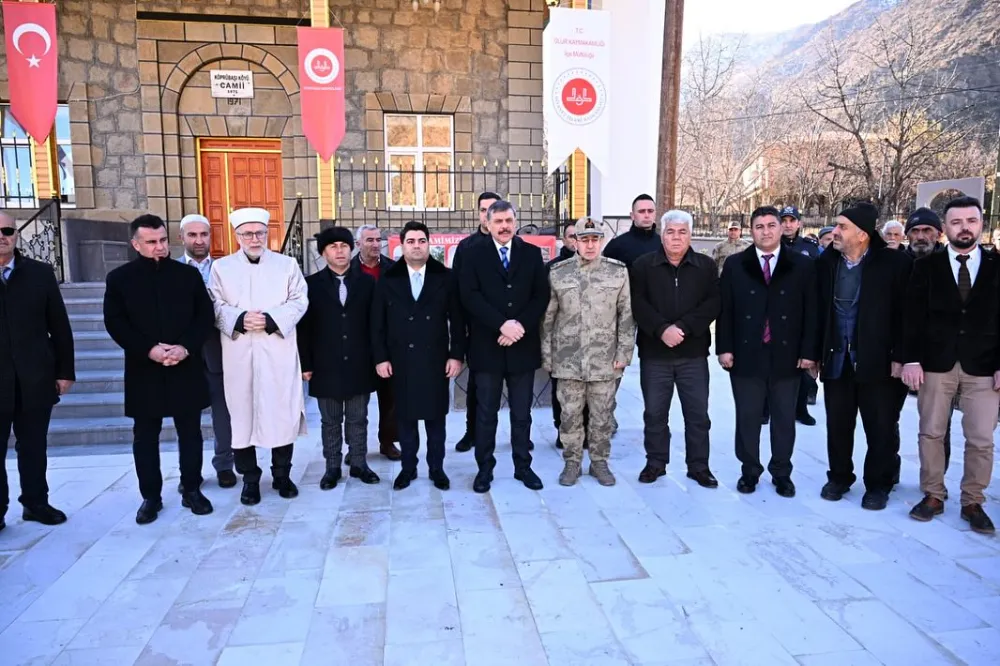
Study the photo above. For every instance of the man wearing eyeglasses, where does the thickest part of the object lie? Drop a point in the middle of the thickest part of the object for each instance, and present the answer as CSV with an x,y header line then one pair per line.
x,y
259,298
36,367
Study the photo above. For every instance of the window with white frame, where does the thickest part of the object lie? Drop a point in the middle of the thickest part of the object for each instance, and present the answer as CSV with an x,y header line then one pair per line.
x,y
17,182
419,159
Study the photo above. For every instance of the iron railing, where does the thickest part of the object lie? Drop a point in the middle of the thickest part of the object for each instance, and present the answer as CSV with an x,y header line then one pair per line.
x,y
371,192
293,244
40,237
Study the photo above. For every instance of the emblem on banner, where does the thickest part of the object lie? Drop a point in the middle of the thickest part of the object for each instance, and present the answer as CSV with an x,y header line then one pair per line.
x,y
579,96
321,66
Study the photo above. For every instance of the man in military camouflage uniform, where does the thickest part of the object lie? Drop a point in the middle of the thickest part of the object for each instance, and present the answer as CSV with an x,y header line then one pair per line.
x,y
732,245
587,339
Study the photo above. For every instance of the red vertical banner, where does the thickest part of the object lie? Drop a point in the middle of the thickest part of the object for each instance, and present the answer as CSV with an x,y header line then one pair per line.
x,y
32,65
321,85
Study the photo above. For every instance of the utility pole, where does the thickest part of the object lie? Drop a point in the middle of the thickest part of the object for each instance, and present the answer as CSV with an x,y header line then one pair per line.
x,y
670,96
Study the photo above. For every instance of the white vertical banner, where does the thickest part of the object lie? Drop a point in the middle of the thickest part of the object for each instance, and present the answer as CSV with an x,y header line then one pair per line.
x,y
576,75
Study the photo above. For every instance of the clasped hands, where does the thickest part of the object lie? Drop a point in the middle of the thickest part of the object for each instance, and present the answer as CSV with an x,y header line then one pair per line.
x,y
168,355
510,333
254,320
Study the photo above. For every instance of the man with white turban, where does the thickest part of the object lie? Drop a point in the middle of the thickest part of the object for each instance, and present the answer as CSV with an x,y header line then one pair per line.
x,y
259,297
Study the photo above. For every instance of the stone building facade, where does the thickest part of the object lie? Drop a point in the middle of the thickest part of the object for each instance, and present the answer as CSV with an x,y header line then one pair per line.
x,y
136,79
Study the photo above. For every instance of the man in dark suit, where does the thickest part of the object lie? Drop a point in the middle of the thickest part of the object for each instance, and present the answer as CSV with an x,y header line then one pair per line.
x,y
36,367
334,339
861,284
765,337
418,340
482,234
159,312
196,237
370,261
952,346
505,291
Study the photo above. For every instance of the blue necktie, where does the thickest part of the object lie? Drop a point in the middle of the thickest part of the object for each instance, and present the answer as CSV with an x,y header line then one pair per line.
x,y
503,258
416,284
6,273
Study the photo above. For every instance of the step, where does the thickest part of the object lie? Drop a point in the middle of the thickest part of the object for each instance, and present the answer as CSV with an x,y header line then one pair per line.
x,y
75,306
82,290
89,405
93,341
99,381
100,359
109,430
86,322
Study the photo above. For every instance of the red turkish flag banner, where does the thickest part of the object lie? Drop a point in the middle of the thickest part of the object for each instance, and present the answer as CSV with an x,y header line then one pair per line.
x,y
32,65
321,85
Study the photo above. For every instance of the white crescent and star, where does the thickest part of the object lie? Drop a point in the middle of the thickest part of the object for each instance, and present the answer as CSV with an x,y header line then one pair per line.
x,y
31,28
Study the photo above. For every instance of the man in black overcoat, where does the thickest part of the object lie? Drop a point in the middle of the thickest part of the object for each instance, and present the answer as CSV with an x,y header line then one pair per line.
x,y
334,341
766,337
861,283
418,339
505,290
159,312
36,367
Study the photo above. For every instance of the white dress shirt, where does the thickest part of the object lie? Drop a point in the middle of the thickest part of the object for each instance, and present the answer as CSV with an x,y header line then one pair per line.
x,y
975,258
204,266
773,260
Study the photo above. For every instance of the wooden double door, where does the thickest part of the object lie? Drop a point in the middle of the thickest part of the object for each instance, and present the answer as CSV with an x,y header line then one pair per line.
x,y
240,173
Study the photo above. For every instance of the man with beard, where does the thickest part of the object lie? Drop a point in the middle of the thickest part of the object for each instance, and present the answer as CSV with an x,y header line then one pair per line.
x,y
196,237
370,261
641,238
952,346
860,283
893,234
792,240
259,298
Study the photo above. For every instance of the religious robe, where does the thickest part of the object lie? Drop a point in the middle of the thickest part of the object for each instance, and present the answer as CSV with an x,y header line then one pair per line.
x,y
263,376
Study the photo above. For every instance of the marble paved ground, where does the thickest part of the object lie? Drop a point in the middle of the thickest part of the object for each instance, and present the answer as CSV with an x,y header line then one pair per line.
x,y
669,574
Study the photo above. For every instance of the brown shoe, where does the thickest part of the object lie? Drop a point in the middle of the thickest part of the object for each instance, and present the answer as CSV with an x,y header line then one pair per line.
x,y
977,519
926,509
389,450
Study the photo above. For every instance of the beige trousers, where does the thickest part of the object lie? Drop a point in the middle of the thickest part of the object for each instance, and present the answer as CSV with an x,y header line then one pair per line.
x,y
979,403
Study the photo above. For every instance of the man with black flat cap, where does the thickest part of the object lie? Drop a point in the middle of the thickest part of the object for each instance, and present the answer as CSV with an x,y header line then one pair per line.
x,y
861,322
334,338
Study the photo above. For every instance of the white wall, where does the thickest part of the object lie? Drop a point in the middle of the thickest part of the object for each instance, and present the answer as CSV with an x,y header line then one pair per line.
x,y
637,54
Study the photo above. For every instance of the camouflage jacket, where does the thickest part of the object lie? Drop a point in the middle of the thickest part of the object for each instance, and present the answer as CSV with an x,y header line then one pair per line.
x,y
588,325
726,249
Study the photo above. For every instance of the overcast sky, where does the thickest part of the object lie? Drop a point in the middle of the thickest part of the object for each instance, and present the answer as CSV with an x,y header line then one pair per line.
x,y
742,16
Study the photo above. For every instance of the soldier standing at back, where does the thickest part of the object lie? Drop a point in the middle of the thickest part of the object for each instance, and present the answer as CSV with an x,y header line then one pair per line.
x,y
587,339
732,245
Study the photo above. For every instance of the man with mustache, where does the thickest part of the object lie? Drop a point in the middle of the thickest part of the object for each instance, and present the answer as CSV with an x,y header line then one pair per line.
x,y
952,346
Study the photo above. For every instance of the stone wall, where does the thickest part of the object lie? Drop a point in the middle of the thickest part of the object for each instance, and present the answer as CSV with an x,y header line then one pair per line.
x,y
284,8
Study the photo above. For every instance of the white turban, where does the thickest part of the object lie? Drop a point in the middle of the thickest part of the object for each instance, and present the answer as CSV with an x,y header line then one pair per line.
x,y
191,219
247,215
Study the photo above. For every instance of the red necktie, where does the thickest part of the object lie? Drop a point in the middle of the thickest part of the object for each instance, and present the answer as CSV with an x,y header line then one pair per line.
x,y
767,280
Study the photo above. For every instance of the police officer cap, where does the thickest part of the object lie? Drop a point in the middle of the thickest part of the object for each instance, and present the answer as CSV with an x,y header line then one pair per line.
x,y
790,211
589,227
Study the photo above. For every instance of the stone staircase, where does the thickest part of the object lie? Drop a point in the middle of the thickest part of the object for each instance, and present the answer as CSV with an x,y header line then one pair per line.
x,y
93,412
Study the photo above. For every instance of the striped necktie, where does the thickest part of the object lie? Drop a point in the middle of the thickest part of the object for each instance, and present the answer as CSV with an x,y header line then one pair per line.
x,y
504,259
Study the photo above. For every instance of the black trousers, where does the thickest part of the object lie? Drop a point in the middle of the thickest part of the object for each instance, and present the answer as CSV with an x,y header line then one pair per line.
x,y
750,394
807,387
409,443
146,452
386,412
31,428
246,463
557,408
471,403
520,394
657,379
903,392
877,403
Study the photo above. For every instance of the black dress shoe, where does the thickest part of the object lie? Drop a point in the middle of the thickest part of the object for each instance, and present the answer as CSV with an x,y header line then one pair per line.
x,y
148,511
365,474
704,478
833,491
440,479
926,509
403,479
977,519
44,514
783,486
465,444
331,479
528,478
250,494
198,503
227,479
805,419
482,483
875,500
746,485
285,487
650,473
